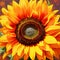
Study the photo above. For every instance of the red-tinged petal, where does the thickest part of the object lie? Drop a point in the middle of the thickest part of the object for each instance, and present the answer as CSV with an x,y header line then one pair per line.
x,y
48,55
55,46
53,21
58,37
35,14
53,32
51,15
57,52
3,44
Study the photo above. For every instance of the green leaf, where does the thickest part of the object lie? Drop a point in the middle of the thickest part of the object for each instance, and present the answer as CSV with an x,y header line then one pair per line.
x,y
10,57
2,50
48,2
1,34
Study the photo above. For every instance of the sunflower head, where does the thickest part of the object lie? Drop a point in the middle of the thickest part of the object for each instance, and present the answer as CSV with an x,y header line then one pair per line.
x,y
30,29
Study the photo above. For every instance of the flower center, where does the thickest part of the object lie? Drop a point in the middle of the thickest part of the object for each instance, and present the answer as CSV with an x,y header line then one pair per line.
x,y
30,31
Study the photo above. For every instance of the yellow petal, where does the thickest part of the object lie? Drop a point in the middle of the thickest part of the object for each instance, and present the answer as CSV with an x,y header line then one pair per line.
x,y
53,27
8,47
44,7
10,8
31,7
14,49
26,50
3,38
6,54
38,51
51,15
50,40
23,3
39,3
50,50
50,7
41,43
20,49
5,22
4,11
32,53
14,4
56,19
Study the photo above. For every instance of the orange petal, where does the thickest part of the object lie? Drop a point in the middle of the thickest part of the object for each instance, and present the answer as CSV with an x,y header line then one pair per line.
x,y
54,45
16,57
58,37
24,5
3,44
53,21
48,55
53,32
39,57
18,10
45,7
26,57
51,15
57,52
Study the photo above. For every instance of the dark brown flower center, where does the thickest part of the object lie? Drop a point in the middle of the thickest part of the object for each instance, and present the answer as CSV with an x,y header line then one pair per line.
x,y
30,31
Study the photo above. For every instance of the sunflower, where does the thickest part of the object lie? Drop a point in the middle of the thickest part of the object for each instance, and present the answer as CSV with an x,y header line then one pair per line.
x,y
30,29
